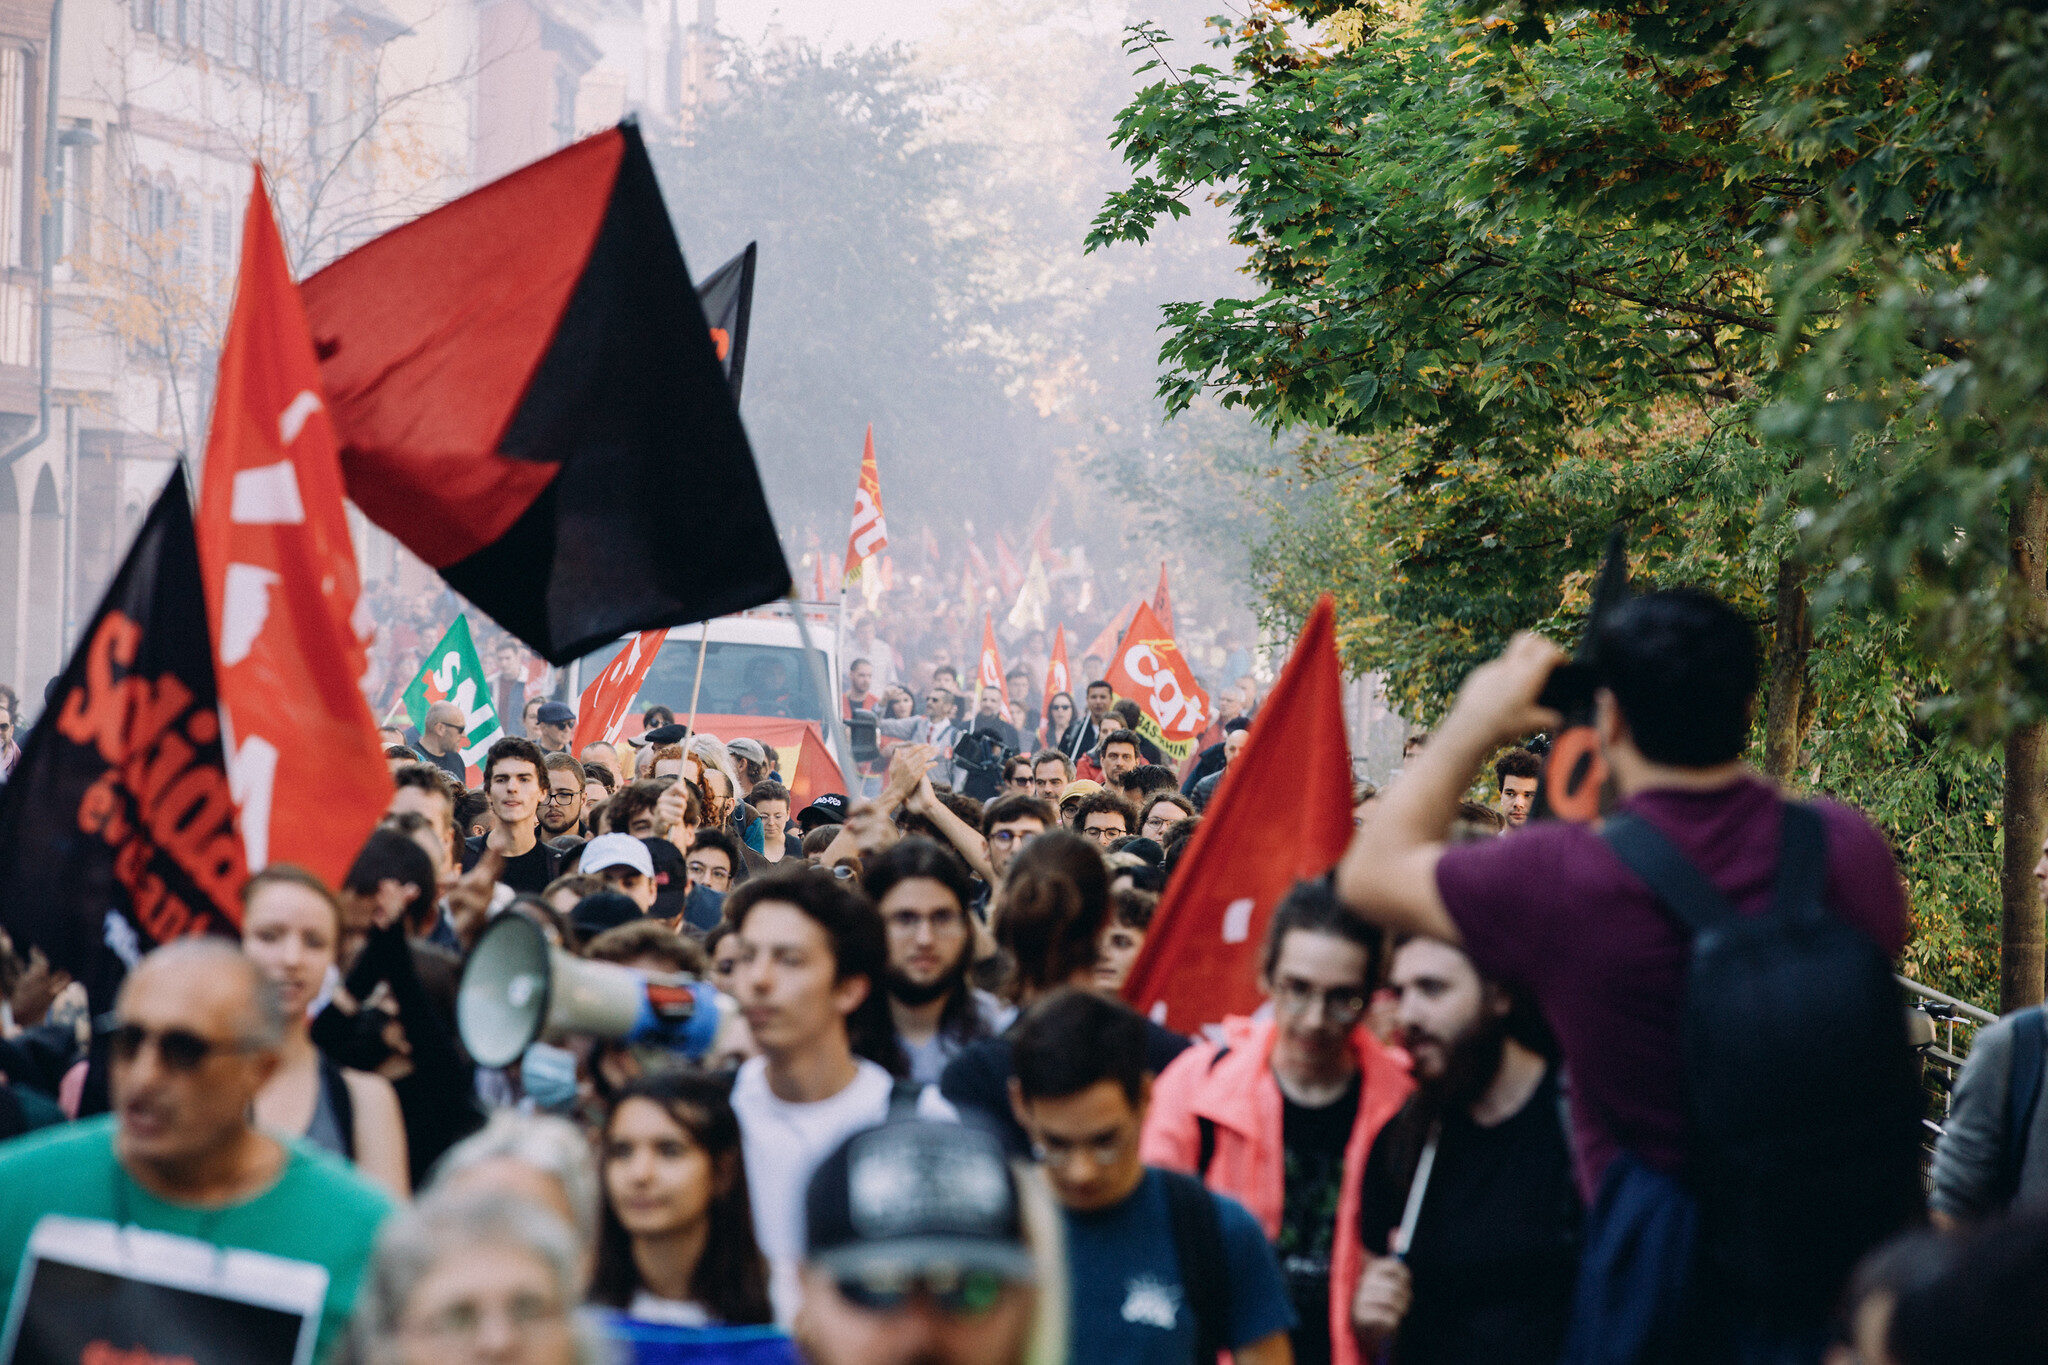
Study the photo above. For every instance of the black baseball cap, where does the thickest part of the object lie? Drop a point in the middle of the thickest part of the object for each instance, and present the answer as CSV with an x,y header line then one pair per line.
x,y
554,713
913,1196
602,910
661,736
829,809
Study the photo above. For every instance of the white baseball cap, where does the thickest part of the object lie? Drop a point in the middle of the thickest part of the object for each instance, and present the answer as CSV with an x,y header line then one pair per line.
x,y
616,850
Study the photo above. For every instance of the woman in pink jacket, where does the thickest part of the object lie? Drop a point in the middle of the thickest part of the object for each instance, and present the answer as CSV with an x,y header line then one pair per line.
x,y
1281,1113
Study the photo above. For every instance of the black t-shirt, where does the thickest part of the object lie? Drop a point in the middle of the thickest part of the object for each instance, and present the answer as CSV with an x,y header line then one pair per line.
x,y
449,763
1313,1141
977,1082
1496,1245
531,871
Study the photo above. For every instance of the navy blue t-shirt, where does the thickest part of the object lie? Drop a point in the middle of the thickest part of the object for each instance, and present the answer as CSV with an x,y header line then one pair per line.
x,y
1124,1280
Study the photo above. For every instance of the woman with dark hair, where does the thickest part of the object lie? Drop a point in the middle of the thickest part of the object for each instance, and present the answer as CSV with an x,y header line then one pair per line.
x,y
675,1243
1066,729
922,892
1049,915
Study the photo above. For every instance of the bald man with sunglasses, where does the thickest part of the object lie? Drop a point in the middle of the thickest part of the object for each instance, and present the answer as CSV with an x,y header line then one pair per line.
x,y
193,1036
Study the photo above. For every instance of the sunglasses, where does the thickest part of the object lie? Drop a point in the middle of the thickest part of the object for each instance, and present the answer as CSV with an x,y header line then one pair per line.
x,y
179,1049
955,1292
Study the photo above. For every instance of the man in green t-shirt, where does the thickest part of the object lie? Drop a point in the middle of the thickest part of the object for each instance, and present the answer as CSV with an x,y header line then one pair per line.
x,y
195,1035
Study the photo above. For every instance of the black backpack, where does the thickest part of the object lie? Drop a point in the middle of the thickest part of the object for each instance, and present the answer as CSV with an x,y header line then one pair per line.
x,y
1802,1101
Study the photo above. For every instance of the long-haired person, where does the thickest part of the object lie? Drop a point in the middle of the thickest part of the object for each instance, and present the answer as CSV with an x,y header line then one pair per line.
x,y
676,1243
291,929
923,893
1066,729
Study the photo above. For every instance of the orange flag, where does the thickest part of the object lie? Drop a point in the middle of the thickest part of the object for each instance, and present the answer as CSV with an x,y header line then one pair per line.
x,y
1162,602
869,535
1147,667
1058,674
282,592
1281,813
601,711
990,674
1102,644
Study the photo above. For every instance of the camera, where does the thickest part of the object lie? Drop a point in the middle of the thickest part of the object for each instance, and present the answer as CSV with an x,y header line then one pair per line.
x,y
982,751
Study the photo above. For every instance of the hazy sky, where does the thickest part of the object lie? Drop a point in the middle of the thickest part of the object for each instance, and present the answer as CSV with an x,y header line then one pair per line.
x,y
832,22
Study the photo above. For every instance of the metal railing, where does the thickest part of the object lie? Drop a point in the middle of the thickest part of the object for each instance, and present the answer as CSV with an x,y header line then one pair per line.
x,y
1943,1042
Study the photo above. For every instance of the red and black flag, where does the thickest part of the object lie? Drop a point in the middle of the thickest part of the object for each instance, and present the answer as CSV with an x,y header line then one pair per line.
x,y
117,829
527,396
727,294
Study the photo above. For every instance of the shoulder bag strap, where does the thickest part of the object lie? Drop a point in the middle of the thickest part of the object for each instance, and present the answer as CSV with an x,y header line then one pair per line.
x,y
1682,888
1198,1247
1802,862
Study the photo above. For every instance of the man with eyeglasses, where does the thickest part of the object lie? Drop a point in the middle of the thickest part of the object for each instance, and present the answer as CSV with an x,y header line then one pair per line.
x,y
1488,1270
1011,820
916,1252
561,808
1282,1112
193,1036
441,738
1159,1268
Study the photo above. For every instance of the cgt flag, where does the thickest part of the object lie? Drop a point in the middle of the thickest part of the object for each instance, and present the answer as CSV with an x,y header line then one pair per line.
x,y
727,294
453,672
282,592
601,711
1059,675
869,534
1148,668
989,673
117,828
1281,813
524,384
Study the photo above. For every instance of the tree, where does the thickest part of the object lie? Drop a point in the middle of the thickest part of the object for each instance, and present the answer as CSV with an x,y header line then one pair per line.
x,y
1528,267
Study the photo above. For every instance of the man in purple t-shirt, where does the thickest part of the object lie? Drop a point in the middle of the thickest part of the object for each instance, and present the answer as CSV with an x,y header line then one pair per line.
x,y
1551,907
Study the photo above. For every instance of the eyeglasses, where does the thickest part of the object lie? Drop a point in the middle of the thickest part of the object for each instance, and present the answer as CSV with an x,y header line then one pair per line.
x,y
1341,1007
908,922
560,798
1103,834
953,1291
464,1319
702,871
1103,1150
179,1049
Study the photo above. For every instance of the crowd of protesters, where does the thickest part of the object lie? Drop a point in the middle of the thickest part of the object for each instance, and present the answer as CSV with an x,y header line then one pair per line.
x,y
1465,1126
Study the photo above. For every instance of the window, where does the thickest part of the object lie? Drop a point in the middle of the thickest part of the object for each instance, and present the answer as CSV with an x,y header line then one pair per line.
x,y
14,180
74,190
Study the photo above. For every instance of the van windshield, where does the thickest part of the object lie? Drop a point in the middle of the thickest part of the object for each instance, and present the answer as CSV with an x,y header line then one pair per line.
x,y
739,680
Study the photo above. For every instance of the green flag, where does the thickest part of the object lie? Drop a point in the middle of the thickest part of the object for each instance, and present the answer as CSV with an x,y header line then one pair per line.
x,y
453,672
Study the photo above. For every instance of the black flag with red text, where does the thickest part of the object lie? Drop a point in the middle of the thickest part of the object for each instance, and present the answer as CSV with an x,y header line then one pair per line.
x,y
117,831
528,397
728,297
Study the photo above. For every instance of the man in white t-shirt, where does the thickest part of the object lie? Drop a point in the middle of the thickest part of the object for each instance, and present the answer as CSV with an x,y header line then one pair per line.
x,y
812,954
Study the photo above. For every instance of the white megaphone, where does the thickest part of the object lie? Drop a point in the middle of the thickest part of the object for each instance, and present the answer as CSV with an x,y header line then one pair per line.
x,y
518,988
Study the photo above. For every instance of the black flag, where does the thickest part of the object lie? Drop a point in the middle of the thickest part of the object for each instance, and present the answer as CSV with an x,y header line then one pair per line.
x,y
528,396
117,831
727,294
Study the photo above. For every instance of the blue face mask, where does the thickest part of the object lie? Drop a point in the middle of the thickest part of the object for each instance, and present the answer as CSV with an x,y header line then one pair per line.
x,y
548,1075
703,908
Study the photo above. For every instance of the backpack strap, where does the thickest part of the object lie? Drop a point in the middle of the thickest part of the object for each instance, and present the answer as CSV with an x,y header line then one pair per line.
x,y
335,1086
904,1095
1198,1247
1205,1128
1670,875
2023,1090
1802,862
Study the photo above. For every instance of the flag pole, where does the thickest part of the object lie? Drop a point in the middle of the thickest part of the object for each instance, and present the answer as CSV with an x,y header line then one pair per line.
x,y
703,643
841,736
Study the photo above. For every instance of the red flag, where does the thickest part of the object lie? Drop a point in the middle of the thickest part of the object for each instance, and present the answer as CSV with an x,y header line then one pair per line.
x,y
282,593
976,560
1148,668
601,711
1162,603
1006,564
1281,813
990,674
869,534
1102,644
1041,537
1058,676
